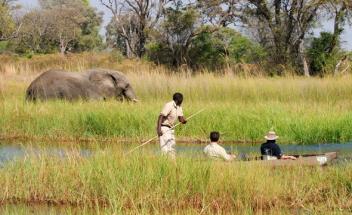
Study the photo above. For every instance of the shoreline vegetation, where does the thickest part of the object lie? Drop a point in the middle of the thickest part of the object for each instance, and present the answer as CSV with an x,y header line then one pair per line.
x,y
147,184
301,110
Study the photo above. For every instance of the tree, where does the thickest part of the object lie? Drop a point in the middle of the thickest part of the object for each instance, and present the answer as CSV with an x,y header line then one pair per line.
x,y
7,24
211,50
48,28
132,20
89,24
220,12
176,33
283,26
341,12
60,25
66,26
280,26
320,54
34,34
90,38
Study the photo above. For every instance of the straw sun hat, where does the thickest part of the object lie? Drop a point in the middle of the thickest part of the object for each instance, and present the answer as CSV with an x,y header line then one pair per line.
x,y
271,136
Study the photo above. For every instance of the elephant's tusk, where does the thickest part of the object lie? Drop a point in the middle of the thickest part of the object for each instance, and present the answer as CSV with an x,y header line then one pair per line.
x,y
135,100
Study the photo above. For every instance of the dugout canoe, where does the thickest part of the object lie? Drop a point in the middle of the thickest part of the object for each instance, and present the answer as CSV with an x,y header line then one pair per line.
x,y
303,160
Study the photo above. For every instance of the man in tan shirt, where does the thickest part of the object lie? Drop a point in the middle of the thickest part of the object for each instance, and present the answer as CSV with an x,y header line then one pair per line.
x,y
215,151
171,112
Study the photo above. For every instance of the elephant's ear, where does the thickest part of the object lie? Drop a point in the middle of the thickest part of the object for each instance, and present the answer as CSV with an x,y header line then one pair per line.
x,y
113,79
120,81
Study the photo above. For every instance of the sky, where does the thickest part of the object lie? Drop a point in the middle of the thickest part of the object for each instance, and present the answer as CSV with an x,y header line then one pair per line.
x,y
346,38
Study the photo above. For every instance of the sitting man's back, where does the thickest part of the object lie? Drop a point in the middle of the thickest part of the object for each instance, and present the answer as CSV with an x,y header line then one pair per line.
x,y
214,150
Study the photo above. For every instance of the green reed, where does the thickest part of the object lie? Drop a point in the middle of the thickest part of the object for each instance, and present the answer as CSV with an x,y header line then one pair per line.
x,y
145,183
301,110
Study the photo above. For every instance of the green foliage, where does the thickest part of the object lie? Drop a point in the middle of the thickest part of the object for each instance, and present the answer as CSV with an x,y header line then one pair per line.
x,y
170,44
180,21
7,24
212,50
90,38
321,60
59,26
207,51
159,53
3,46
225,46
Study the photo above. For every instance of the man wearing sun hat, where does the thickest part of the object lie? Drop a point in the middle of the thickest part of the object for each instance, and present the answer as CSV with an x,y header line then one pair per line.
x,y
270,150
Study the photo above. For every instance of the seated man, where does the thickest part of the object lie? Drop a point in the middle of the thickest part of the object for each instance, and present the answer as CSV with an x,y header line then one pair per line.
x,y
214,150
270,150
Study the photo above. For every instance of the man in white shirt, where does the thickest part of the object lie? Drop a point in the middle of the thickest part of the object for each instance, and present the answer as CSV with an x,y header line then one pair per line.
x,y
171,112
214,150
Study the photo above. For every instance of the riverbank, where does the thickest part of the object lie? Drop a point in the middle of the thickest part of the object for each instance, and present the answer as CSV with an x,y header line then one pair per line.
x,y
145,183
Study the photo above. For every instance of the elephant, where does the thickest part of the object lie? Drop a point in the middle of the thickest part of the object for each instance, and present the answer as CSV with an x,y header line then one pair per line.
x,y
94,84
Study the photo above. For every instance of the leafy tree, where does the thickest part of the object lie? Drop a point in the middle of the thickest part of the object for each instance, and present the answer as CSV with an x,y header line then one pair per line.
x,y
320,54
45,30
224,48
60,25
174,37
34,35
7,24
90,38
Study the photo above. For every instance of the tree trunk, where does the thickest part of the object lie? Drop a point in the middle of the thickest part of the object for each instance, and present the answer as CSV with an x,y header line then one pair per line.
x,y
63,47
302,58
129,53
338,65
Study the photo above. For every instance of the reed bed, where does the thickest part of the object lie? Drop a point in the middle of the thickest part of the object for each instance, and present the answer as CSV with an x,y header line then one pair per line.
x,y
147,184
301,110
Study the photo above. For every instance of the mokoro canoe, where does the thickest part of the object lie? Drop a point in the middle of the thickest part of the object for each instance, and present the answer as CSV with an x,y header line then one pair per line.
x,y
303,160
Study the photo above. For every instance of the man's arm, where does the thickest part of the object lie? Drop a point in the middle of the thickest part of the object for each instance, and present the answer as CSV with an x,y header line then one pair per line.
x,y
158,126
288,157
227,157
276,151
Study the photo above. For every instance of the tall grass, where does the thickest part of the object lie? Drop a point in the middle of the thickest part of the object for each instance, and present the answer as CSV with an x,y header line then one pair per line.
x,y
300,110
153,185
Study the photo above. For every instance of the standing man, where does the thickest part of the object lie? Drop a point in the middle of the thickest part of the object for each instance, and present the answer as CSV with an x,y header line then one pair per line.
x,y
167,118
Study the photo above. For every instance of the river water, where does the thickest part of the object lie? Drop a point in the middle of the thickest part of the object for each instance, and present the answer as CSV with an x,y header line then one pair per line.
x,y
13,151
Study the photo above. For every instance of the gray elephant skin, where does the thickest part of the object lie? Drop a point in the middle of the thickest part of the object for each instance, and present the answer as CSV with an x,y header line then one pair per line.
x,y
95,84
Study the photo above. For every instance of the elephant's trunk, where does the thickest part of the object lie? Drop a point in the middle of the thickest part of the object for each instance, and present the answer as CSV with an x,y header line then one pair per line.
x,y
130,95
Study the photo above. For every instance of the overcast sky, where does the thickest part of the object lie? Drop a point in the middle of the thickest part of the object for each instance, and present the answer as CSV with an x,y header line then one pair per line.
x,y
327,26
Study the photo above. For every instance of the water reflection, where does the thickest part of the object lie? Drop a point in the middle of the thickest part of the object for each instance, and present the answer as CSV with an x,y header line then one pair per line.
x,y
13,151
10,152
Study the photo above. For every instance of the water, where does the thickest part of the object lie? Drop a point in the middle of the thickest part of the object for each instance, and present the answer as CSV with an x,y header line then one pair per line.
x,y
9,152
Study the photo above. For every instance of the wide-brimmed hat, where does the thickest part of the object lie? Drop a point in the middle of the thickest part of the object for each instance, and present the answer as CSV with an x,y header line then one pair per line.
x,y
271,135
